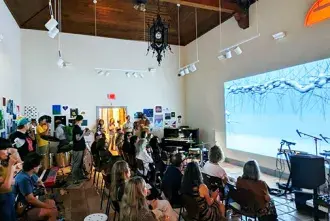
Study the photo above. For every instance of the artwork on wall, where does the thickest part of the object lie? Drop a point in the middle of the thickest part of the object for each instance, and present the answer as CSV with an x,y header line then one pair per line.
x,y
61,118
10,107
56,109
167,116
65,107
2,120
148,112
84,123
3,101
158,123
73,112
31,112
179,119
158,109
172,114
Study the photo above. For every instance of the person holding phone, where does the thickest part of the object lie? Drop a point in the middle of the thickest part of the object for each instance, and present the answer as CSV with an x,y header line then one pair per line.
x,y
209,206
79,146
8,168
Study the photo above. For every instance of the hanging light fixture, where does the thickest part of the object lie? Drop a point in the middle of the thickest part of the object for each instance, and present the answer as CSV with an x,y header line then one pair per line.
x,y
52,23
158,37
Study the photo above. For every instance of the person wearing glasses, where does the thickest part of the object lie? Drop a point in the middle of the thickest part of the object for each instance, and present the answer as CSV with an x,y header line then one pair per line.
x,y
25,186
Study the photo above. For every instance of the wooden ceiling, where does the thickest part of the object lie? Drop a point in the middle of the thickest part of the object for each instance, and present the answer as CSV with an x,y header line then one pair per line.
x,y
118,18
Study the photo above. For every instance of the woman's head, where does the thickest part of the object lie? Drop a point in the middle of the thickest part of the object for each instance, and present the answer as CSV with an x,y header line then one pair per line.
x,y
112,121
120,172
101,122
154,141
134,199
251,170
216,154
97,136
134,139
144,134
192,178
127,136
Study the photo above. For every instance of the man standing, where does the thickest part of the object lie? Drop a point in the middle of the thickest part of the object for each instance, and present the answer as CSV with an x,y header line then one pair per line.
x,y
128,126
23,142
25,185
79,146
42,130
7,168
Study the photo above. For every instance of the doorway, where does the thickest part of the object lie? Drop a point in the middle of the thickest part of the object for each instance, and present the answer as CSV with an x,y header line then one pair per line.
x,y
118,114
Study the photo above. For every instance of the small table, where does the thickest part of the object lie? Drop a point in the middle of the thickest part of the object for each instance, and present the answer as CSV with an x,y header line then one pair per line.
x,y
96,217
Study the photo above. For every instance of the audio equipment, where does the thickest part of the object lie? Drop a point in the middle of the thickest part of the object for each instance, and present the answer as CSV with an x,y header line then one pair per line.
x,y
307,171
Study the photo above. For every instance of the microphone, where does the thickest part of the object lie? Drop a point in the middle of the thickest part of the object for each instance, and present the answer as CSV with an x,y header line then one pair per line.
x,y
288,142
324,138
298,133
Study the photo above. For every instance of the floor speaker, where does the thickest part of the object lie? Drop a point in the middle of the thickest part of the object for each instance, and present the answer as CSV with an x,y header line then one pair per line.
x,y
307,171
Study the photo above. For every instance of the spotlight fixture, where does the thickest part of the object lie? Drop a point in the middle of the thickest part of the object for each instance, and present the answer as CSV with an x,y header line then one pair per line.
x,y
128,75
181,73
141,75
135,75
100,73
107,73
52,33
192,67
60,63
238,50
221,57
140,5
51,24
186,71
228,54
279,35
1,37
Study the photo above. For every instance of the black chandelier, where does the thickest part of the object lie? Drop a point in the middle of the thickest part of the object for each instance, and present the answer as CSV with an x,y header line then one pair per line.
x,y
158,37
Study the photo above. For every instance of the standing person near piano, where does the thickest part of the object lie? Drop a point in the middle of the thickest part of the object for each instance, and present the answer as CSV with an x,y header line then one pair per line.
x,y
25,185
21,139
7,169
42,130
79,146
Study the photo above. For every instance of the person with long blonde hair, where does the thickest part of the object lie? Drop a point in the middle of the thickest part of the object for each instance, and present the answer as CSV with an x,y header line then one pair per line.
x,y
120,173
134,205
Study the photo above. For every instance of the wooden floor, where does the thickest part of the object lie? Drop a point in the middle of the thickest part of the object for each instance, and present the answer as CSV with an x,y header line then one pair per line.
x,y
85,199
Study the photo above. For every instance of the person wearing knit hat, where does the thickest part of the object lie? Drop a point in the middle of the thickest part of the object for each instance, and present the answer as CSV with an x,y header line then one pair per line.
x,y
7,169
22,141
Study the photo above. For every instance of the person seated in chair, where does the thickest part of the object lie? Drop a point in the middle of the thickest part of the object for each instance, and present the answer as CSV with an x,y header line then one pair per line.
x,y
251,181
24,188
148,163
172,179
120,174
213,167
209,206
9,165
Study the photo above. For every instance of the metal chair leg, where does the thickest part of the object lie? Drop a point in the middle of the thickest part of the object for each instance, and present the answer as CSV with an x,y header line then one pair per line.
x,y
114,217
107,210
102,192
180,211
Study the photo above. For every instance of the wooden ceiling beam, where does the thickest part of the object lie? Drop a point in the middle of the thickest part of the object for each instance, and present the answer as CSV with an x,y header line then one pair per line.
x,y
199,5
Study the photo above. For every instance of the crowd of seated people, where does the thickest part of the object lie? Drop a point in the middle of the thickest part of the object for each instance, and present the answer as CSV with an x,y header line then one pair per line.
x,y
132,187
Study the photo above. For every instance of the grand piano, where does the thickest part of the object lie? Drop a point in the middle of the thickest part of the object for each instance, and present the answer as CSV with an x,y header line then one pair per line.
x,y
180,138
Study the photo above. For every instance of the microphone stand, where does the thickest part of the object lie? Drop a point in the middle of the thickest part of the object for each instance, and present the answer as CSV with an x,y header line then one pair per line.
x,y
313,137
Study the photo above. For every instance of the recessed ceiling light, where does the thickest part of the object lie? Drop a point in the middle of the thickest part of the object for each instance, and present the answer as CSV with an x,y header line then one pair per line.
x,y
279,35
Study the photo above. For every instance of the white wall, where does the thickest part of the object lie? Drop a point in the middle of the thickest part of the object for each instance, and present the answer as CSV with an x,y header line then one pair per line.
x,y
10,56
79,86
205,89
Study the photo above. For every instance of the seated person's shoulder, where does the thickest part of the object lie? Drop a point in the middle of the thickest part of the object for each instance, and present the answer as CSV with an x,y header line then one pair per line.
x,y
203,190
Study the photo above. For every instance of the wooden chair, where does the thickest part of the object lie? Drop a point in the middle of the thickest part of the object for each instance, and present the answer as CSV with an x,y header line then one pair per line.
x,y
191,207
242,202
